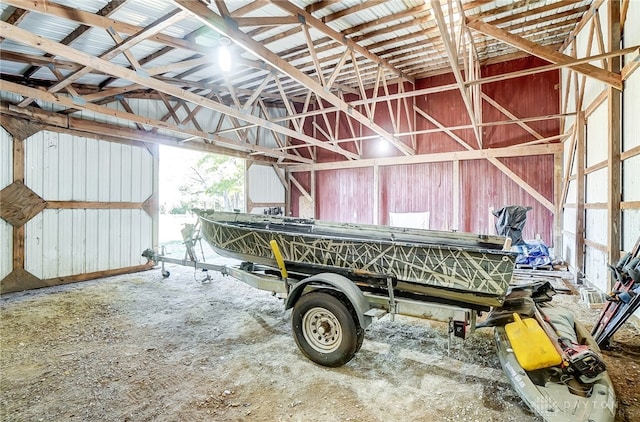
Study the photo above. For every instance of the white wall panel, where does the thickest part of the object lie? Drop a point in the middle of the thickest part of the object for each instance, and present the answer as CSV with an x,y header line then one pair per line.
x,y
630,131
568,249
65,242
597,189
596,268
6,178
598,135
631,179
264,185
571,192
60,167
6,248
596,226
6,158
631,105
630,228
569,219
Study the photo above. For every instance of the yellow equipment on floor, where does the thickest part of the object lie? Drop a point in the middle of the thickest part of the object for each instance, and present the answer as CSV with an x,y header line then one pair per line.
x,y
531,345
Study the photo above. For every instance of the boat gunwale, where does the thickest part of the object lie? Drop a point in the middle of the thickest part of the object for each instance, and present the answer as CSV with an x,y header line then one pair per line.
x,y
319,235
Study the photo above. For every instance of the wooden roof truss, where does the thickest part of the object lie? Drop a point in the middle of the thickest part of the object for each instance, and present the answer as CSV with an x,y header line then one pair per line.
x,y
328,65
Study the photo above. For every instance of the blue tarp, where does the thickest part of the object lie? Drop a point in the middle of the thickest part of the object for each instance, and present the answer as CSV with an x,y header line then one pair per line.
x,y
533,253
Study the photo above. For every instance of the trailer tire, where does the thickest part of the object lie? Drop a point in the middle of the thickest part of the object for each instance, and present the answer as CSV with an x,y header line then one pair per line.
x,y
325,329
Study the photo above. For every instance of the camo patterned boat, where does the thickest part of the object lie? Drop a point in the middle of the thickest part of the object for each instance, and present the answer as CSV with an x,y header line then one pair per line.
x,y
459,267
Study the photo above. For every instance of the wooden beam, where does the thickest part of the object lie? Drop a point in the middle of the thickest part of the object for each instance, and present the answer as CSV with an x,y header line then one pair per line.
x,y
510,115
302,190
110,8
15,18
524,185
453,60
580,195
80,127
630,153
309,19
18,176
583,21
25,37
225,27
615,142
632,65
94,205
610,78
376,195
595,245
433,158
439,125
630,205
281,176
23,280
20,129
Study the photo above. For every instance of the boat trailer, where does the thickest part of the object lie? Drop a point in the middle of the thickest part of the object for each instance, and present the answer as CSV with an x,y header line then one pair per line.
x,y
362,306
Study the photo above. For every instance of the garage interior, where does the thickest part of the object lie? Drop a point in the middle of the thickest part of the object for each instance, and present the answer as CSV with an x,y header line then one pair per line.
x,y
346,111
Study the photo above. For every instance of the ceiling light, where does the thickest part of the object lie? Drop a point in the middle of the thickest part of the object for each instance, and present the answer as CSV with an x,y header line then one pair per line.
x,y
383,145
224,56
224,59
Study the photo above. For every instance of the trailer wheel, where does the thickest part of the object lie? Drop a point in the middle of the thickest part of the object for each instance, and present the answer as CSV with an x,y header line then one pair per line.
x,y
165,274
325,329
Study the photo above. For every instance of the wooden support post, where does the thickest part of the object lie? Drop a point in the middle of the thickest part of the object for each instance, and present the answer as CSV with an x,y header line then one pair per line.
x,y
613,160
580,195
18,176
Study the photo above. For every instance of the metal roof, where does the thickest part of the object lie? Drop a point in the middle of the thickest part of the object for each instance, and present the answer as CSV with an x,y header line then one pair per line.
x,y
390,40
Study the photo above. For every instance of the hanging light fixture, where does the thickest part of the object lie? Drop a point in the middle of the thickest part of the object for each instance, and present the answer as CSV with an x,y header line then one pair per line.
x,y
224,56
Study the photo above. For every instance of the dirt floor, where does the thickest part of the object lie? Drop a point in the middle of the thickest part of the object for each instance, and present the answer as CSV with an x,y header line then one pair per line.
x,y
140,347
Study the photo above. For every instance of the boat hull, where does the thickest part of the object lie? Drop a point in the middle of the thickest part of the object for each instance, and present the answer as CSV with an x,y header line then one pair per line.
x,y
457,262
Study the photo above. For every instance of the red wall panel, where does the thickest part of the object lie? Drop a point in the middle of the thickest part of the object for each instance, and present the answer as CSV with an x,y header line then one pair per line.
x,y
526,96
448,109
345,195
484,186
418,188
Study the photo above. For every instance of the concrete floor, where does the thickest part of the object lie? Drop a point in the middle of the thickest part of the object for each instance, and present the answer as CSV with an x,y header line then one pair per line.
x,y
140,347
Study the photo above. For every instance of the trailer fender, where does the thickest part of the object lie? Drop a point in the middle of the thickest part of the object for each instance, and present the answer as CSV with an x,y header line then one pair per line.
x,y
334,282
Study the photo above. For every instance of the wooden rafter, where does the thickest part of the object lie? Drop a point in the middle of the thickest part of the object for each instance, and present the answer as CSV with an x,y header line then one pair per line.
x,y
15,18
153,28
206,16
25,37
453,59
475,154
546,53
337,36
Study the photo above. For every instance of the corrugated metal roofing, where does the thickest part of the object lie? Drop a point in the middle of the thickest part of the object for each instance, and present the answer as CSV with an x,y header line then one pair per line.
x,y
382,32
400,36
